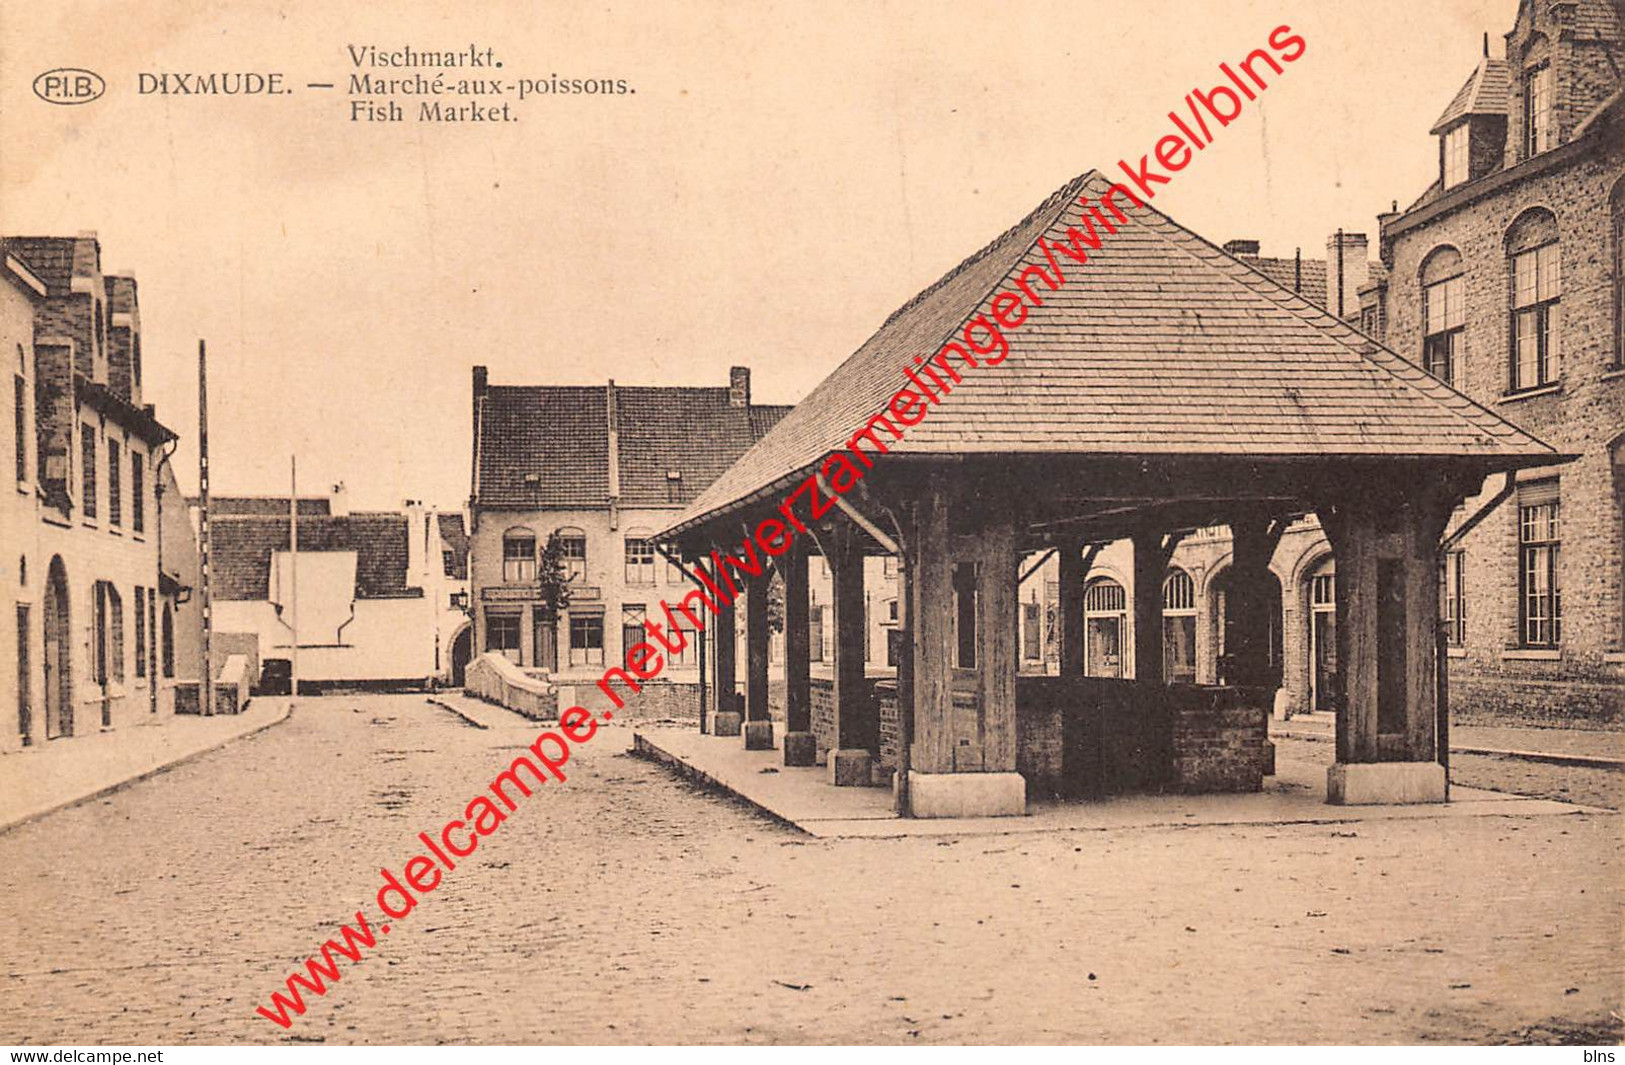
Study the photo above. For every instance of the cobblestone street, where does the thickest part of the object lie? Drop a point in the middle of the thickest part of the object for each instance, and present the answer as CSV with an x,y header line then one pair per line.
x,y
626,906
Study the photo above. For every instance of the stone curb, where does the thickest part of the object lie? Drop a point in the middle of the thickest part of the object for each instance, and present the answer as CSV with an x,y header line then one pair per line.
x,y
102,793
467,718
1585,761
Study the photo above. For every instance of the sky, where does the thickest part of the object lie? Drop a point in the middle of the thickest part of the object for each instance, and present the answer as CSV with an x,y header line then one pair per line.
x,y
782,177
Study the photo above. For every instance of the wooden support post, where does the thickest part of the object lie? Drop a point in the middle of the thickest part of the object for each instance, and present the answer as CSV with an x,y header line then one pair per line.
x,y
1074,574
758,724
726,719
857,733
799,746
1387,602
1150,563
963,758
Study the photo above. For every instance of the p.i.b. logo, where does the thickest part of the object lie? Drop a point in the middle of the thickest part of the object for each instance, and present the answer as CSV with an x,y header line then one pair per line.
x,y
68,86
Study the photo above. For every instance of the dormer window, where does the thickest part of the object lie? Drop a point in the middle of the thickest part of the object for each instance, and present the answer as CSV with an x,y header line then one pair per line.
x,y
1539,126
1455,144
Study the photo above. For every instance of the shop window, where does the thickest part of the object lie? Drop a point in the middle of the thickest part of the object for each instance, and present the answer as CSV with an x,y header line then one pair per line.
x,y
502,634
586,639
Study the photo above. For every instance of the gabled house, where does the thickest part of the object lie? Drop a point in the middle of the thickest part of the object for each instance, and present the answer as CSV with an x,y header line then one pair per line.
x,y
602,467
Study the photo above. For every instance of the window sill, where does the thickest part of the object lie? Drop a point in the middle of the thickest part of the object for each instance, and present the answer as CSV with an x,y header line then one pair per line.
x,y
1455,652
1614,658
24,488
1613,373
1531,393
115,530
90,524
138,538
1532,654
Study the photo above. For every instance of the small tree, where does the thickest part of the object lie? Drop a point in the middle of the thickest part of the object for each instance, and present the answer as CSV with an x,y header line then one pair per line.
x,y
553,581
775,604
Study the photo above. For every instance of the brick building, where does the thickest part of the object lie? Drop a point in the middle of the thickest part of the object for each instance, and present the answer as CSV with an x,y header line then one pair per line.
x,y
382,595
91,626
604,467
1529,180
1504,280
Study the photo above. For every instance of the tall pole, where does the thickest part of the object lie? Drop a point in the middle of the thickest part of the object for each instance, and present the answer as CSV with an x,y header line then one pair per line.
x,y
293,570
205,534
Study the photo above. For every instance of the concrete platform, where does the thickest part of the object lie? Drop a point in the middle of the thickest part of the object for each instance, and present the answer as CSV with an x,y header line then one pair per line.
x,y
803,798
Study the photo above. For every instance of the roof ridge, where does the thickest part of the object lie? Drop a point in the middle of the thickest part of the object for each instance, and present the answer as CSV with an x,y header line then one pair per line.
x,y
1368,349
1054,198
1052,202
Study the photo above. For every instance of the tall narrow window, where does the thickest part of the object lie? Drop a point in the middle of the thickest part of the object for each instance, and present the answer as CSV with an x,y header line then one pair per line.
x,y
1179,627
115,487
1539,127
640,560
138,489
1453,597
1616,204
115,647
168,647
573,553
140,631
1536,273
1105,618
1455,155
87,475
1541,591
19,431
518,556
632,630
1444,313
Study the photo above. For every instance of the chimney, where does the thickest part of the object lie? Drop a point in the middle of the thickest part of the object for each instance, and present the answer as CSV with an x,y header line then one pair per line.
x,y
339,506
739,386
417,546
612,418
1242,248
1347,271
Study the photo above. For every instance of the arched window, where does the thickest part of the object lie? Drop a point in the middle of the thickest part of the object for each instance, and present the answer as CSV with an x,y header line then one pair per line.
x,y
1534,266
1105,615
1179,627
573,552
518,556
640,557
1443,312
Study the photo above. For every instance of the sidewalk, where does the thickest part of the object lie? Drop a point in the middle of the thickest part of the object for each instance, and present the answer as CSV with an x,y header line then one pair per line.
x,y
49,776
1561,746
804,799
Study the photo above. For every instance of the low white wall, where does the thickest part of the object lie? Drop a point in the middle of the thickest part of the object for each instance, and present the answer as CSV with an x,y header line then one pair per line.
x,y
496,680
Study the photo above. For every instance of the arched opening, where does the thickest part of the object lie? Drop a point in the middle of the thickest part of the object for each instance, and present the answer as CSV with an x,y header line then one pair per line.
x,y
58,652
1105,617
1178,627
462,649
1321,591
1224,626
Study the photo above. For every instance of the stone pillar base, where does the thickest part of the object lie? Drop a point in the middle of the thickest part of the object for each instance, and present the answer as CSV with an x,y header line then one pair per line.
x,y
758,735
800,748
967,794
1384,783
850,768
726,723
